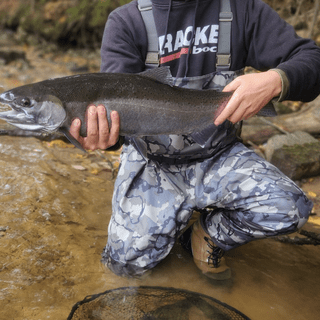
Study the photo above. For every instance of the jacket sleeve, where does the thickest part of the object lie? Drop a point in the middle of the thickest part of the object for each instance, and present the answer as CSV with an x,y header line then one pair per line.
x,y
270,42
124,44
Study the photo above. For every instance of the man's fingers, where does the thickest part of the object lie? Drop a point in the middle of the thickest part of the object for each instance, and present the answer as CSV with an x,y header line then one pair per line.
x,y
75,128
106,135
92,139
99,134
228,110
237,115
233,103
92,122
232,86
104,130
115,128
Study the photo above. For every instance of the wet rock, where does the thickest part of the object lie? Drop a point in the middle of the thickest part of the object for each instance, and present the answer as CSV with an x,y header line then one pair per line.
x,y
278,141
297,155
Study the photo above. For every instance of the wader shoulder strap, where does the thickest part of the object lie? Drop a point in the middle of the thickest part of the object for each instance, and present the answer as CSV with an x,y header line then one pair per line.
x,y
152,58
224,41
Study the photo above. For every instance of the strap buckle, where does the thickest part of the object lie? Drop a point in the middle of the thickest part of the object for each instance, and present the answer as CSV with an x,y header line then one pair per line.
x,y
225,16
144,5
152,58
223,60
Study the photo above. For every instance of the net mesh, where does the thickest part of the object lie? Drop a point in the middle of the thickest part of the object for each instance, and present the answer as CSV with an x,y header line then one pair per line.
x,y
150,303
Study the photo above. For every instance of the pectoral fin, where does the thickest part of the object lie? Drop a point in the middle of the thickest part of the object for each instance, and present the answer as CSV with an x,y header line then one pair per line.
x,y
75,142
268,110
201,137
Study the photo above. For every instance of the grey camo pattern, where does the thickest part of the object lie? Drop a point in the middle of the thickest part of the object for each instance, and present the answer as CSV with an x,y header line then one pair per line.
x,y
163,179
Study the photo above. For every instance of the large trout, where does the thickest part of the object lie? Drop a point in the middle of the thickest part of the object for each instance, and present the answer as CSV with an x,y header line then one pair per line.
x,y
147,103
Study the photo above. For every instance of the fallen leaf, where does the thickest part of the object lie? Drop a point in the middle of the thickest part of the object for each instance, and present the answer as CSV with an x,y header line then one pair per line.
x,y
312,194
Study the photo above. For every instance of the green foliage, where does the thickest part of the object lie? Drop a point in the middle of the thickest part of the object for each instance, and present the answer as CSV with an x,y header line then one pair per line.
x,y
13,21
80,25
102,9
80,11
94,12
99,13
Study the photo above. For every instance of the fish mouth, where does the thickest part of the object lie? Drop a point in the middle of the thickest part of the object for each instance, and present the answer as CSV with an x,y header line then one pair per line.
x,y
14,116
5,102
4,107
7,111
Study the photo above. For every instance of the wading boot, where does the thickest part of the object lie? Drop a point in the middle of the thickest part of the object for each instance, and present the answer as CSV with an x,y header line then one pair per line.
x,y
207,256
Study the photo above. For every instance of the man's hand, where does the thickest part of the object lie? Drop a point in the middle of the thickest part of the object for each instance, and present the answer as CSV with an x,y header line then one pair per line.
x,y
251,93
99,135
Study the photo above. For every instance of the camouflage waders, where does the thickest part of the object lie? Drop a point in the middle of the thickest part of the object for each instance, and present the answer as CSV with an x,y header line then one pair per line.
x,y
162,179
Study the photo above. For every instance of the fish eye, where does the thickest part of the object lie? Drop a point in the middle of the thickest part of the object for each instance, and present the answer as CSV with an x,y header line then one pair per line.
x,y
25,102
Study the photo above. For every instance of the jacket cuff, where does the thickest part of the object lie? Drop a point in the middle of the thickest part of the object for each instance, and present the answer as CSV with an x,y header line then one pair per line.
x,y
118,145
285,85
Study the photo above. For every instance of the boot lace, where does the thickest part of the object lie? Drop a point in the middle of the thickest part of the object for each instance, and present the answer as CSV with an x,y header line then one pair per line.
x,y
215,253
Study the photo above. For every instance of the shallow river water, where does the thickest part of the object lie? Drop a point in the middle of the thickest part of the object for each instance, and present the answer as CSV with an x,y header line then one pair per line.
x,y
54,220
55,205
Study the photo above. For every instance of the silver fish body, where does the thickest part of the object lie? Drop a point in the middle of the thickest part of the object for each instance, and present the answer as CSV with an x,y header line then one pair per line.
x,y
147,103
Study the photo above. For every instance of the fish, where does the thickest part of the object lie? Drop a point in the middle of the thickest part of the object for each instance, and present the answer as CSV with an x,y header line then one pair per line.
x,y
148,104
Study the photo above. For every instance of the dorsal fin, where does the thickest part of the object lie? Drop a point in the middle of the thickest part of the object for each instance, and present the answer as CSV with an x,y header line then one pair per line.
x,y
162,75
